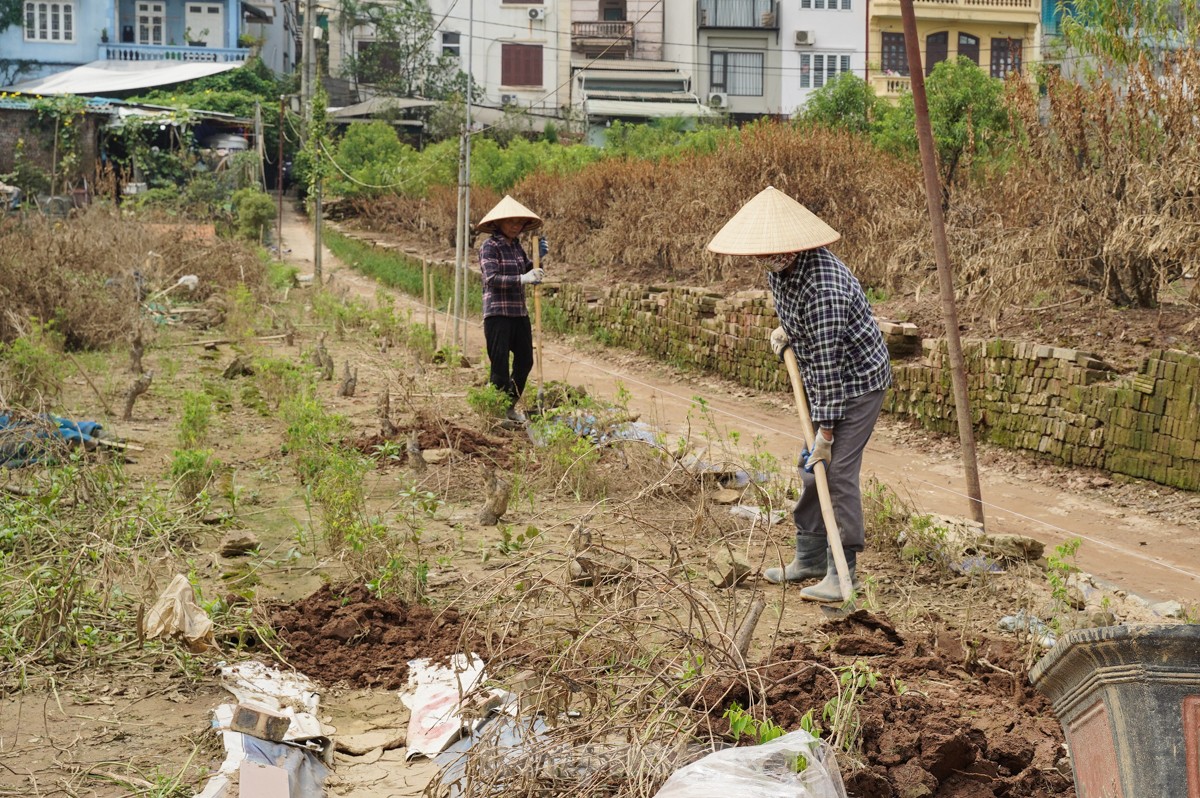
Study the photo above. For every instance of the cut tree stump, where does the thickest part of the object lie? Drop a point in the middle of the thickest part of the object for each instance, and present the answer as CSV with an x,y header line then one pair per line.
x,y
139,387
349,380
386,428
241,366
496,503
415,460
136,349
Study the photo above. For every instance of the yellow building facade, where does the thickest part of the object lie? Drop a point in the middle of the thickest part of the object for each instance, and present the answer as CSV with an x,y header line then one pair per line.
x,y
1001,36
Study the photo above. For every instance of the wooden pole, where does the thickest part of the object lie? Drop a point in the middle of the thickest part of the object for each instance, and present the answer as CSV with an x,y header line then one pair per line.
x,y
425,287
279,186
806,428
941,252
537,313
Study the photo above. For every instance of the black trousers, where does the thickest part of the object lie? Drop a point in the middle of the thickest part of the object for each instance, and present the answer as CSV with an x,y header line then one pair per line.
x,y
505,336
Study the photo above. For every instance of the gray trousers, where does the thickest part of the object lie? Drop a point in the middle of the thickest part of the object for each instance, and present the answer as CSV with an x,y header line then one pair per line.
x,y
850,438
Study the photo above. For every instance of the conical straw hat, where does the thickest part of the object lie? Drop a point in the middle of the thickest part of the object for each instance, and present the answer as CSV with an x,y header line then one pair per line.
x,y
508,208
770,224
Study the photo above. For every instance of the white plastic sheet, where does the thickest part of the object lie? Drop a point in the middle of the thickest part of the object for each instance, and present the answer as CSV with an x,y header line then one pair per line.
x,y
761,771
435,699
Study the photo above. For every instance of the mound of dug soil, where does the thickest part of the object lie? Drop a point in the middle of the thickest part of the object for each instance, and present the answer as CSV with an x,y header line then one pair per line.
x,y
937,723
442,434
348,635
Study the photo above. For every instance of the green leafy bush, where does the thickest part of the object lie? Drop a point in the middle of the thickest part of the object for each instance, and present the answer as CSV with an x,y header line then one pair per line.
x,y
488,401
254,210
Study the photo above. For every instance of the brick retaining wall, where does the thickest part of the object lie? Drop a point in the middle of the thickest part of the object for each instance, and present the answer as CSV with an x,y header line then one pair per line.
x,y
1064,404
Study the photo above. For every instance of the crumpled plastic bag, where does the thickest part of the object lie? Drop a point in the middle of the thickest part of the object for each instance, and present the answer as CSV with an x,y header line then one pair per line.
x,y
176,614
761,771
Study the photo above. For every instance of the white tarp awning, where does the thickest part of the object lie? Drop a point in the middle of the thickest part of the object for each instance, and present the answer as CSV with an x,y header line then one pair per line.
x,y
378,105
636,109
102,77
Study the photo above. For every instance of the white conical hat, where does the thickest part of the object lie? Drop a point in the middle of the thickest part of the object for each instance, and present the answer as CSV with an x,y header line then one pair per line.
x,y
508,208
770,224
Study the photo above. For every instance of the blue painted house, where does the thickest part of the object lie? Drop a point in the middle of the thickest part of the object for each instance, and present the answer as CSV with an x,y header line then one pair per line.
x,y
57,35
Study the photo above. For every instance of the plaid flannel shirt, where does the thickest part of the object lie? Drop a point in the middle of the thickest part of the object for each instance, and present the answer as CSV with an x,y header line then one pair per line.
x,y
502,262
837,343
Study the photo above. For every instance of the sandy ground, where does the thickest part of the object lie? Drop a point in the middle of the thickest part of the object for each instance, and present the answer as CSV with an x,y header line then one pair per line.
x,y
1127,546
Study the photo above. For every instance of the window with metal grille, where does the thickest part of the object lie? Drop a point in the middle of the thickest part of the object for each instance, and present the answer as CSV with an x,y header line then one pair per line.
x,y
50,22
452,44
831,5
521,65
1006,57
735,73
893,57
817,69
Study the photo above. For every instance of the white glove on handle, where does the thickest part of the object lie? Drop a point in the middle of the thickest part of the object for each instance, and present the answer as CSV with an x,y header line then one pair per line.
x,y
533,277
822,450
779,342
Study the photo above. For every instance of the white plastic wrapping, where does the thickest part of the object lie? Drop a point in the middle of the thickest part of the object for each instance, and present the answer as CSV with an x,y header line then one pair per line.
x,y
761,771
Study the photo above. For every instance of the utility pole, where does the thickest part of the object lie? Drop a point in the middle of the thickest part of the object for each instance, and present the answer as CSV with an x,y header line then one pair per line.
x,y
941,252
307,52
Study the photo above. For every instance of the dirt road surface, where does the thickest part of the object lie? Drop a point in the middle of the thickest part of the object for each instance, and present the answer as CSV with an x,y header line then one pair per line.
x,y
1127,546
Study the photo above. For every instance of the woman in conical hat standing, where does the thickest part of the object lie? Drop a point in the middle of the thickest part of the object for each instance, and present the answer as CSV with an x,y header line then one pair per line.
x,y
506,271
826,320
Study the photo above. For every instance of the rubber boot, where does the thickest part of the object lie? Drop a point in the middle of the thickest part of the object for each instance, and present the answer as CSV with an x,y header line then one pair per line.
x,y
829,590
808,564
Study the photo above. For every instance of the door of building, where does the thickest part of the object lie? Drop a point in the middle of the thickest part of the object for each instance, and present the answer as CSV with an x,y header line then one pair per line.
x,y
151,22
205,24
968,45
937,47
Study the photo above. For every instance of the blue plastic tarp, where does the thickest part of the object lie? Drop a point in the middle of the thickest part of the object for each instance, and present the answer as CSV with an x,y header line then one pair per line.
x,y
24,441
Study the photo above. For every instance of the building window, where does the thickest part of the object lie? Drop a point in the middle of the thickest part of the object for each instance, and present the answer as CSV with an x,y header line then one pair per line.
x,y
968,45
612,10
937,49
831,5
817,69
1006,57
736,74
521,65
893,56
452,44
50,22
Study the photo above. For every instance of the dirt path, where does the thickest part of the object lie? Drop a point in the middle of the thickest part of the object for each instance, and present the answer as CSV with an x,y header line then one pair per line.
x,y
1125,545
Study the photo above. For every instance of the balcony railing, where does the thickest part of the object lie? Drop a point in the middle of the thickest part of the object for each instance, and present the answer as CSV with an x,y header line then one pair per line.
x,y
154,52
613,30
762,14
998,5
891,86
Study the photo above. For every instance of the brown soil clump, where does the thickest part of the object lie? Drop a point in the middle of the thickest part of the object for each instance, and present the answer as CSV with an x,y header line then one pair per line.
x,y
436,433
348,635
935,723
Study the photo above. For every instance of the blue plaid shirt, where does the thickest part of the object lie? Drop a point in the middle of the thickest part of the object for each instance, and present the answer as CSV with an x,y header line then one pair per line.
x,y
839,346
502,262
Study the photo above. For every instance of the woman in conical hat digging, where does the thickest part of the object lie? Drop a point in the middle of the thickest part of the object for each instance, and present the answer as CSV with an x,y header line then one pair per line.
x,y
506,271
825,319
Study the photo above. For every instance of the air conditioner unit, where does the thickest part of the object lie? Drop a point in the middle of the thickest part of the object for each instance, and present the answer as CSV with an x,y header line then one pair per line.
x,y
537,13
718,100
805,38
508,99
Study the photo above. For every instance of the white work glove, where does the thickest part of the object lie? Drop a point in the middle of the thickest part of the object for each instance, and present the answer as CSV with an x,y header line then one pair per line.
x,y
533,277
779,342
822,451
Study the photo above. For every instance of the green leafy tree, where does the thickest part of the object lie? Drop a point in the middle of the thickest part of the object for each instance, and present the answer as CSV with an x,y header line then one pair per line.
x,y
401,61
847,101
966,112
10,13
1121,32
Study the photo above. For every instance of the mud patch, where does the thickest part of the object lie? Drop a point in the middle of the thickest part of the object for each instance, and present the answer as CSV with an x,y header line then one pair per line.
x,y
347,635
933,724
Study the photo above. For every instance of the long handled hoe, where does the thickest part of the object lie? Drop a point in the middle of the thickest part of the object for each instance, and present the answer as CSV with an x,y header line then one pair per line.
x,y
806,427
537,322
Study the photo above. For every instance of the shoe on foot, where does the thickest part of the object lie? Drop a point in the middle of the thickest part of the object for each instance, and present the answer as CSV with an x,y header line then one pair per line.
x,y
514,415
809,562
829,589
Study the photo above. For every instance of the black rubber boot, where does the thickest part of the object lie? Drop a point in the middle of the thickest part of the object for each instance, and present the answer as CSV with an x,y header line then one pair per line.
x,y
828,589
808,564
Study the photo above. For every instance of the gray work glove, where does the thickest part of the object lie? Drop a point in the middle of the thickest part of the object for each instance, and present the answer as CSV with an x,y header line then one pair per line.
x,y
779,342
822,451
533,276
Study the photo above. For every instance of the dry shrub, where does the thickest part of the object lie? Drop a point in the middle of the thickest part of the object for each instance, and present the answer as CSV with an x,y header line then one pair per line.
x,y
432,216
85,274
